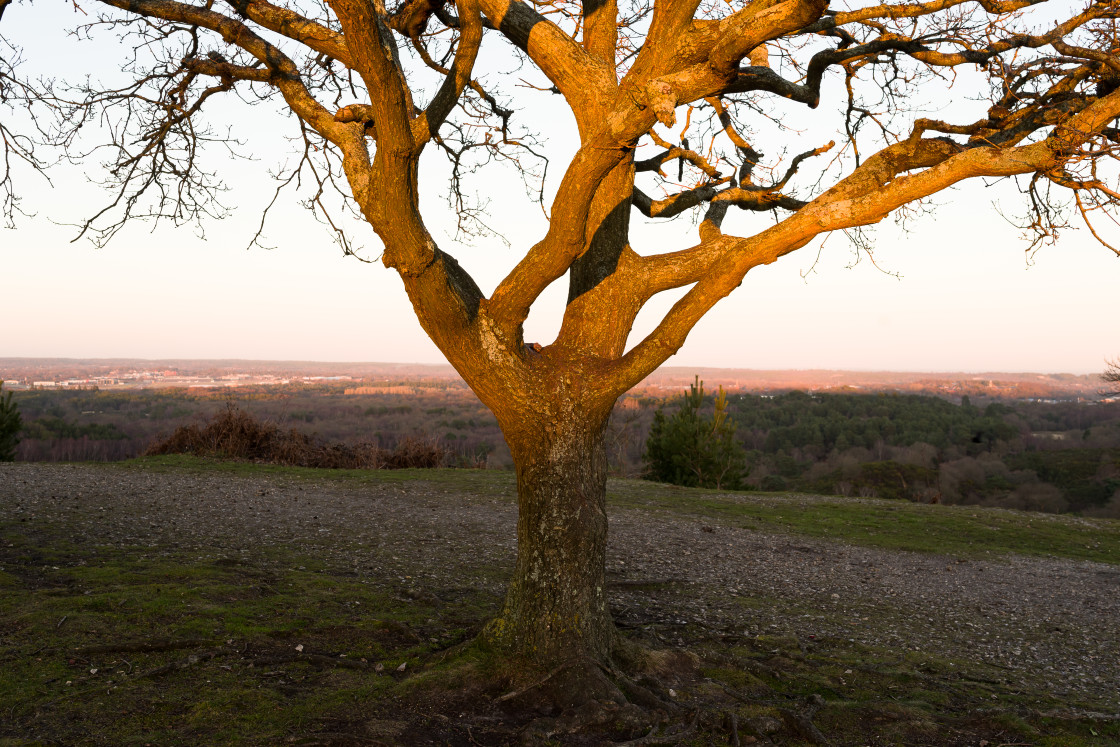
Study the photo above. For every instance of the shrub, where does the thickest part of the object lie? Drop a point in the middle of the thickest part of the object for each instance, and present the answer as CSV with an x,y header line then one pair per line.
x,y
692,449
235,434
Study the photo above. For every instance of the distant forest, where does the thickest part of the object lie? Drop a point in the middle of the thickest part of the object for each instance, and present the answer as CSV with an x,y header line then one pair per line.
x,y
1047,456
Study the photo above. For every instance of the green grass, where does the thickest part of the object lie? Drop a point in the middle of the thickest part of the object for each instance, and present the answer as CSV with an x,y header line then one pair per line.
x,y
73,669
962,531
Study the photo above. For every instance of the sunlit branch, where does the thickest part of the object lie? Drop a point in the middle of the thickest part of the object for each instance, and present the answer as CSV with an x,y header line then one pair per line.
x,y
286,22
580,77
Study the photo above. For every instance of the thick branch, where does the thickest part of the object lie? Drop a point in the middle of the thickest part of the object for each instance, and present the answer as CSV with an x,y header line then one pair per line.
x,y
288,23
600,30
715,67
425,127
584,80
550,258
918,10
376,60
226,70
763,79
759,200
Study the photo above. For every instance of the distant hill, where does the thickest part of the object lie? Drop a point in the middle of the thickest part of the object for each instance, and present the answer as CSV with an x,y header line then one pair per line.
x,y
665,381
1000,385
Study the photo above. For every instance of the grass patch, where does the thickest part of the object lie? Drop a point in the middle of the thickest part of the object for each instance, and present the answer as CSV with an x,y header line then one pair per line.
x,y
124,646
962,531
859,694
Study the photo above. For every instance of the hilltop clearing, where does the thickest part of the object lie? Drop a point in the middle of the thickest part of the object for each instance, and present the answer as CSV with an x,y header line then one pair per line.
x,y
176,600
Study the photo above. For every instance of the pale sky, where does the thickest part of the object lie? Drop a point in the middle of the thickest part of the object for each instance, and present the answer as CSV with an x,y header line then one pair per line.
x,y
967,300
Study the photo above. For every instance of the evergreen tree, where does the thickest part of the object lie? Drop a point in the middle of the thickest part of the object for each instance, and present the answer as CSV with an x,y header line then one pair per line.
x,y
692,449
10,425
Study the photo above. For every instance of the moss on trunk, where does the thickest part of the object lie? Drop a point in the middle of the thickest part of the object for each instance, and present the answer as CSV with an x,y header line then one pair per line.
x,y
556,605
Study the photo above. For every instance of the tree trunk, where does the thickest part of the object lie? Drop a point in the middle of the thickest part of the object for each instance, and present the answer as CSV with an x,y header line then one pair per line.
x,y
556,606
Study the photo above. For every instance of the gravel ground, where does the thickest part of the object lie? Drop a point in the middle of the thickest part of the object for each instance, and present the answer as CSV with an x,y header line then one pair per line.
x,y
1043,622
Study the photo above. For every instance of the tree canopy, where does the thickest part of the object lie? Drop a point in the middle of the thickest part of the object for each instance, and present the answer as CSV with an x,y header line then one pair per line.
x,y
1111,378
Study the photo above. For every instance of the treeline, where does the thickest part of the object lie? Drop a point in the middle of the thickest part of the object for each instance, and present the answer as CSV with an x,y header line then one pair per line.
x,y
1036,456
85,425
1053,456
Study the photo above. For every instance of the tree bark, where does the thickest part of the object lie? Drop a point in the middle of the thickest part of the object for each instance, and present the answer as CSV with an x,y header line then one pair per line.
x,y
556,606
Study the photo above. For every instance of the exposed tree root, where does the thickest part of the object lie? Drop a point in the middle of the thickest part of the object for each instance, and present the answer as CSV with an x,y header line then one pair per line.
x,y
642,697
803,727
625,701
733,729
671,736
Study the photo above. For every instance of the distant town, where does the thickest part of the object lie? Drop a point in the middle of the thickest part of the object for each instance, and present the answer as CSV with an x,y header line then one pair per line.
x,y
150,379
397,378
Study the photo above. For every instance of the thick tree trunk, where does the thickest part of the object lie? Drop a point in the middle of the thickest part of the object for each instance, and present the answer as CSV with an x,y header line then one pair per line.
x,y
556,605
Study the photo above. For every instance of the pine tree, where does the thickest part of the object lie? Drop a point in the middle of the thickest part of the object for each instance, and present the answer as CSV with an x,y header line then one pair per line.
x,y
10,426
693,449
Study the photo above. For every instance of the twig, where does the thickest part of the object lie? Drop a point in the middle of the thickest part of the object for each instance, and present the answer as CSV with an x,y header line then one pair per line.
x,y
538,683
316,659
159,644
190,661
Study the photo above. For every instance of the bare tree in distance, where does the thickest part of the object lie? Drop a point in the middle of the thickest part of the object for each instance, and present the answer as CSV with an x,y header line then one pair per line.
x,y
667,98
1111,378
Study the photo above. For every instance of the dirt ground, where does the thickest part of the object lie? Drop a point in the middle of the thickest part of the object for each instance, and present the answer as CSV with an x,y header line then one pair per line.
x,y
1020,624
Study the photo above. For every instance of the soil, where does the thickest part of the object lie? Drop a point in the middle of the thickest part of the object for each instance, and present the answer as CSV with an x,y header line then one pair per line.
x,y
1043,623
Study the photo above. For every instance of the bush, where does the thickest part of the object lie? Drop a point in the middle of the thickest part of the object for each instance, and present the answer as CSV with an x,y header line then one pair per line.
x,y
10,426
773,483
692,449
235,434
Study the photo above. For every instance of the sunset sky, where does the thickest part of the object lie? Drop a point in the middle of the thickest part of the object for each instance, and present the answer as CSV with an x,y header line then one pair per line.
x,y
967,298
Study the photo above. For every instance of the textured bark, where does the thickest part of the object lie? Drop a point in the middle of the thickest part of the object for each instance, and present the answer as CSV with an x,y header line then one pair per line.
x,y
556,605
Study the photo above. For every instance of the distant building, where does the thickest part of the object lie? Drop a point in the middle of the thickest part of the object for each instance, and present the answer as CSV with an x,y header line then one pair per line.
x,y
381,390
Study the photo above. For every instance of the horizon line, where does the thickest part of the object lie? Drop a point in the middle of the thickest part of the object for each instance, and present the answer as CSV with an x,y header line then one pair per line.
x,y
661,369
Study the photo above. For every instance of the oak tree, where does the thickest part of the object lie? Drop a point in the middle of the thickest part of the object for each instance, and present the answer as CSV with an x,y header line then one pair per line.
x,y
664,97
